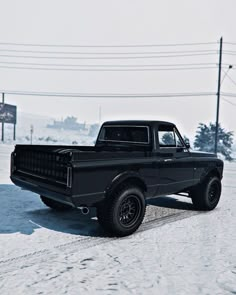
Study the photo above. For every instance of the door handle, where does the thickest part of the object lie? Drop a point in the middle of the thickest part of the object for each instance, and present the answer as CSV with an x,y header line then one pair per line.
x,y
168,160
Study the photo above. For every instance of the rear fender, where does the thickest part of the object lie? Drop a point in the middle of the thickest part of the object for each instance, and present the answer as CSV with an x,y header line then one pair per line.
x,y
128,177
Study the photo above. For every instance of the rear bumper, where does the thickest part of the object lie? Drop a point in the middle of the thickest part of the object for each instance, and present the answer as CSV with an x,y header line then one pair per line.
x,y
42,190
89,200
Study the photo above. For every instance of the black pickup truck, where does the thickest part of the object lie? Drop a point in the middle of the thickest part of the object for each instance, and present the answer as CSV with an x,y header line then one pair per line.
x,y
131,162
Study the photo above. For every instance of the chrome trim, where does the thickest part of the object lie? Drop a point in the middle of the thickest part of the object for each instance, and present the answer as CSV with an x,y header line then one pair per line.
x,y
60,182
155,140
171,183
180,137
90,194
32,174
169,147
69,177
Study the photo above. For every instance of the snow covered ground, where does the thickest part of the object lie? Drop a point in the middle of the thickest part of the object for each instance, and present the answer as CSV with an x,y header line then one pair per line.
x,y
176,251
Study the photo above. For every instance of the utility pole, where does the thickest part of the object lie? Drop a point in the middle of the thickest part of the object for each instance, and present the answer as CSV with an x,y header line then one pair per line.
x,y
14,132
31,133
100,114
218,96
3,101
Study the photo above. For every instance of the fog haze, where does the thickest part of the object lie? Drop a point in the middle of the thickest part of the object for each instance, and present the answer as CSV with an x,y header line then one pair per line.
x,y
121,23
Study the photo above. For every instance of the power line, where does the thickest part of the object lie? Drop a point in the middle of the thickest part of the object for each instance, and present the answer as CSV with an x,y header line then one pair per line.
x,y
106,95
106,69
228,64
229,51
228,76
228,94
110,65
233,69
107,46
226,72
230,43
104,53
228,101
225,68
107,57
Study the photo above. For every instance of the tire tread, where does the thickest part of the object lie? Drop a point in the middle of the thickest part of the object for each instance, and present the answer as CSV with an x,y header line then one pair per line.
x,y
198,195
106,209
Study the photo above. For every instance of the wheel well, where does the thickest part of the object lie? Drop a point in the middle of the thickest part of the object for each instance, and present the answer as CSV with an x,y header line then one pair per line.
x,y
129,182
212,173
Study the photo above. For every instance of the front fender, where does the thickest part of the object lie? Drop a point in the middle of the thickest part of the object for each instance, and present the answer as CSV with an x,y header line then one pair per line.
x,y
211,170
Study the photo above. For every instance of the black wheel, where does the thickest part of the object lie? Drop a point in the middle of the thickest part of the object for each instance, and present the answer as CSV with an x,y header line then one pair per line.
x,y
207,195
122,213
54,204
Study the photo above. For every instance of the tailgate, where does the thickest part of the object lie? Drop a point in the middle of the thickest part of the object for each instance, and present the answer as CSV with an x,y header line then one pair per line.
x,y
42,164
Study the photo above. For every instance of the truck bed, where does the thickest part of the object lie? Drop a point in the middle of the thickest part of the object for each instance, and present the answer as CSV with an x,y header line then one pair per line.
x,y
63,170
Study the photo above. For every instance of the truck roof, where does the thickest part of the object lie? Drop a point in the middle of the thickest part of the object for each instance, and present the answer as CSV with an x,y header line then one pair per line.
x,y
137,122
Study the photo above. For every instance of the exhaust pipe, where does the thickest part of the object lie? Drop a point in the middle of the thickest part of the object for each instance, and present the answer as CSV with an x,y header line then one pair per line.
x,y
84,210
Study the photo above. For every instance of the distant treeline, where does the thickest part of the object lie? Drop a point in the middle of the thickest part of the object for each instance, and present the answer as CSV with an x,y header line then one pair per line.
x,y
69,123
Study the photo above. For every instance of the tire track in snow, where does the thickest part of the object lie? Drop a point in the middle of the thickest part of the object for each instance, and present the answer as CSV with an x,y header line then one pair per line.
x,y
30,259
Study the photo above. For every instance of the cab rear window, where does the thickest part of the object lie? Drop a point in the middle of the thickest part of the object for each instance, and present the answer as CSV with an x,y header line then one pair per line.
x,y
129,134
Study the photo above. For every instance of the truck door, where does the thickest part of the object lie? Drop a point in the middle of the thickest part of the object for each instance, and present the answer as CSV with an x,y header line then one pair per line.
x,y
176,165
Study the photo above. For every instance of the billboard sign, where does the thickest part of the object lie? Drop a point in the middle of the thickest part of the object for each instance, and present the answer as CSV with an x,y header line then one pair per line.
x,y
7,113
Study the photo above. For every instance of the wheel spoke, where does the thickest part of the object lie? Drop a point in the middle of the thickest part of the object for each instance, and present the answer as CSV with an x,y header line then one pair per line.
x,y
129,210
213,192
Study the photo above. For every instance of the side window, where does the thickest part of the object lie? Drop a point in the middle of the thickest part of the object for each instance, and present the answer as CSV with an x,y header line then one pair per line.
x,y
169,137
166,138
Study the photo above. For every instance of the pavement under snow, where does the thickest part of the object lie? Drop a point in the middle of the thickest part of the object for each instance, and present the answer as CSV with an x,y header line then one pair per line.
x,y
176,250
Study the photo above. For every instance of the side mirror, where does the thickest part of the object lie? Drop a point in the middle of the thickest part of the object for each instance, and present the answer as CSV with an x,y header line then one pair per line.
x,y
187,144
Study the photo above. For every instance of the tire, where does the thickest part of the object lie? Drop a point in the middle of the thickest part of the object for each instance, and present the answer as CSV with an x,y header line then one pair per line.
x,y
55,205
207,195
122,213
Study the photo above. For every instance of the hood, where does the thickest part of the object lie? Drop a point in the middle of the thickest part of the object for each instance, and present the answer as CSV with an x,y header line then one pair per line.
x,y
203,154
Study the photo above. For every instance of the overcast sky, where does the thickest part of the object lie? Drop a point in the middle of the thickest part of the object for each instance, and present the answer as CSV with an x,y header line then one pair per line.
x,y
132,22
